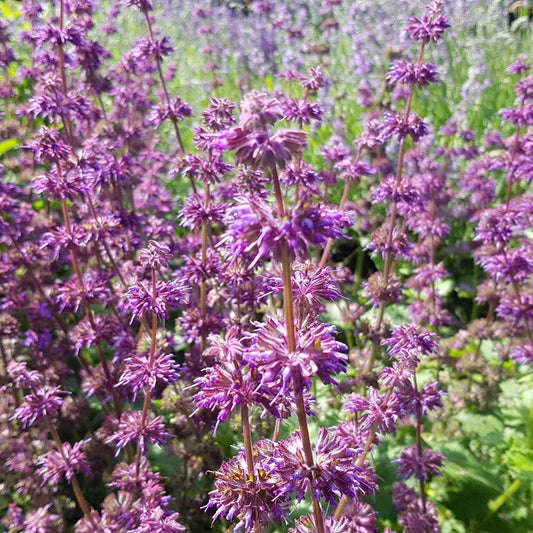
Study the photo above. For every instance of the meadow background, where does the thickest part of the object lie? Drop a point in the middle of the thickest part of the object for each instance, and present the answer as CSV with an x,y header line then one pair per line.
x,y
181,300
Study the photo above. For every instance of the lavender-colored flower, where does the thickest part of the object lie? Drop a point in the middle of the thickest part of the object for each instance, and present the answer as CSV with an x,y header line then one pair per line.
x,y
429,27
133,477
314,81
61,239
69,186
413,514
139,373
306,524
252,498
174,111
219,114
132,428
395,124
22,377
93,289
517,310
259,110
155,255
259,148
415,74
41,402
143,5
351,170
317,353
523,354
40,520
56,464
146,48
520,66
301,111
419,402
411,464
49,146
158,520
380,291
195,212
143,297
408,342
206,169
510,266
374,409
252,227
335,473
310,287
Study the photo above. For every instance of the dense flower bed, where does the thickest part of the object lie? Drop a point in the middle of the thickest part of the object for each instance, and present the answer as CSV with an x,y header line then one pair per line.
x,y
269,306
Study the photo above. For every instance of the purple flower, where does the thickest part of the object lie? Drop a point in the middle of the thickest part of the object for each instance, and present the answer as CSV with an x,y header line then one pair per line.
x,y
148,48
523,354
259,148
41,520
310,287
380,291
306,524
143,5
374,410
511,266
301,111
56,464
408,342
251,498
139,372
61,239
158,520
428,27
219,114
134,477
409,73
174,111
41,402
132,428
22,377
49,146
155,255
395,124
93,289
334,474
259,110
314,81
520,66
207,169
252,227
411,464
143,297
413,514
195,212
419,402
317,353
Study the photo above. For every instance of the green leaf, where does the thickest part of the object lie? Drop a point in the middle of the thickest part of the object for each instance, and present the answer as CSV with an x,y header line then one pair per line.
x,y
479,425
5,146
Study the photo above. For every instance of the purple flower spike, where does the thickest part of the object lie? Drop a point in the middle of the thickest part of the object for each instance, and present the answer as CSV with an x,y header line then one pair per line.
x,y
411,464
131,428
428,27
41,402
71,459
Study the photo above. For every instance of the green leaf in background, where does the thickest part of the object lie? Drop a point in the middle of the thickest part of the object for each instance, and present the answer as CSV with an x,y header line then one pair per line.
x,y
5,146
480,425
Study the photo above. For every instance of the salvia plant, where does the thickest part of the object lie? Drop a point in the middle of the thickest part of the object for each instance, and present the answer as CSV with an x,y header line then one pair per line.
x,y
292,294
